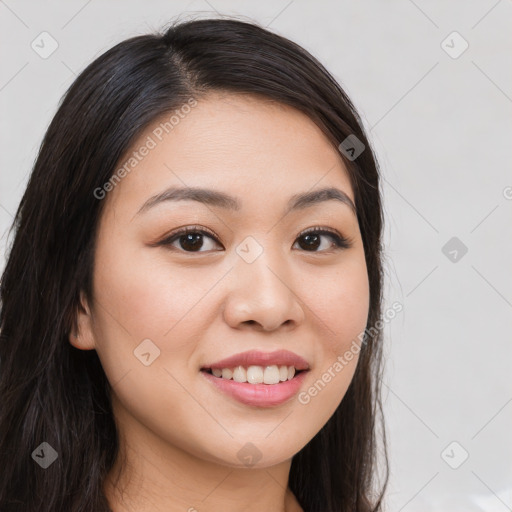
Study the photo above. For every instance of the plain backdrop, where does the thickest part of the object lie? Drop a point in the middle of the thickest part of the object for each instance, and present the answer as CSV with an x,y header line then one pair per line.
x,y
433,83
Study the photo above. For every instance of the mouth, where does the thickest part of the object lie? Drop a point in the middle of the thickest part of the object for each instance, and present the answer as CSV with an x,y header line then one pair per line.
x,y
256,378
252,392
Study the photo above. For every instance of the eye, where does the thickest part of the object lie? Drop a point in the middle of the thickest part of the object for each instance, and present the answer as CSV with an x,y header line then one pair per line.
x,y
312,238
190,239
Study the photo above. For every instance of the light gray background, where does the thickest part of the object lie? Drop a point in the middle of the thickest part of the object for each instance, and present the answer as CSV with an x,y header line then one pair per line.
x,y
442,130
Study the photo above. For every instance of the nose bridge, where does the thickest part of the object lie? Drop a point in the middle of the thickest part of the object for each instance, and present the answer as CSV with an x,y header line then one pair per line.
x,y
257,265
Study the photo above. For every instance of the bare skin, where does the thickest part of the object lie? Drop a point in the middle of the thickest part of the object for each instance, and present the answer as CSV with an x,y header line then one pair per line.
x,y
181,435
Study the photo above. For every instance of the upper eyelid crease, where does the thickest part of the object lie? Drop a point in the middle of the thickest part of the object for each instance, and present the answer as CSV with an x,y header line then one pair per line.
x,y
223,200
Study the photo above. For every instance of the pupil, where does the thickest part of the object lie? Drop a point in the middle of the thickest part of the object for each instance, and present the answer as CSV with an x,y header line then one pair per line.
x,y
193,240
309,239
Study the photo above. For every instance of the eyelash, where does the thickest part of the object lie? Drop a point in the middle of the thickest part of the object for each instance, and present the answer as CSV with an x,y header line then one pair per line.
x,y
340,242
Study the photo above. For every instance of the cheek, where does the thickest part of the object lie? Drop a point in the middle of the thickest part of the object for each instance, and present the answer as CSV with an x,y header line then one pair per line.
x,y
148,297
340,303
144,298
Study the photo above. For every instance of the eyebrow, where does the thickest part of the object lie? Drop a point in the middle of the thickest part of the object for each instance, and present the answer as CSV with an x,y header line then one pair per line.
x,y
223,200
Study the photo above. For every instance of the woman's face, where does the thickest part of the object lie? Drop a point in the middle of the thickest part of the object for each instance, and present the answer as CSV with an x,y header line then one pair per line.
x,y
167,308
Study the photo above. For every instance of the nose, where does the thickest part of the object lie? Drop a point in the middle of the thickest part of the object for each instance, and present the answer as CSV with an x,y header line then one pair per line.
x,y
262,295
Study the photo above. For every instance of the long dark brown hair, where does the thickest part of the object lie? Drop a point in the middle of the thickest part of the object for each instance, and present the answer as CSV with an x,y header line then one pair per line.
x,y
52,392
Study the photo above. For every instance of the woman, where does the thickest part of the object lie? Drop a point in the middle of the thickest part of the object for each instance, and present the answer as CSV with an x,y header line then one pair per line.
x,y
189,302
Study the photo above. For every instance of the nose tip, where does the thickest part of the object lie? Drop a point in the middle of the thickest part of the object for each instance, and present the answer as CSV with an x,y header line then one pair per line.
x,y
260,298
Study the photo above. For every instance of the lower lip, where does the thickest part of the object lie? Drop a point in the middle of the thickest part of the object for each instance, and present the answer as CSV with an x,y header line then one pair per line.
x,y
260,395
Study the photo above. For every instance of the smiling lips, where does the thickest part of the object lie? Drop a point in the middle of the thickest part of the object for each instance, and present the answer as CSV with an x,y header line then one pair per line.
x,y
259,378
258,367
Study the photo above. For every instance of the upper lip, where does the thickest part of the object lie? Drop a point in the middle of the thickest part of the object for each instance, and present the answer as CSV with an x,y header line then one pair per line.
x,y
257,358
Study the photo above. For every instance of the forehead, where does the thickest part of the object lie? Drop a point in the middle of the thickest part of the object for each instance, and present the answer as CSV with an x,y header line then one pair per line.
x,y
253,148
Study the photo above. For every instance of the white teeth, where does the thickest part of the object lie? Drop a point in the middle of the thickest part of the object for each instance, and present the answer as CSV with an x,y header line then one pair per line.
x,y
239,374
271,375
226,373
256,374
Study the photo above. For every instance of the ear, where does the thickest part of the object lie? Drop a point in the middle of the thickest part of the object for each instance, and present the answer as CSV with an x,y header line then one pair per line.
x,y
81,335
